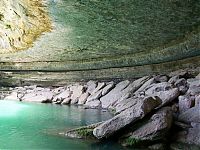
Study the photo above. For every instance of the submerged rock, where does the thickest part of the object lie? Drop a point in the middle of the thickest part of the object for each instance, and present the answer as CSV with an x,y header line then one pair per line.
x,y
85,132
125,118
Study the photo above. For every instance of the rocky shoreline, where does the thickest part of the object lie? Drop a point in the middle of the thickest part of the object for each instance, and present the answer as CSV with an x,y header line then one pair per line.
x,y
152,111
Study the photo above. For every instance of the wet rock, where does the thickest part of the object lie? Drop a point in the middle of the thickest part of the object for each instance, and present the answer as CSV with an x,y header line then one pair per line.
x,y
94,104
191,115
83,98
182,85
155,129
123,88
85,132
107,88
165,91
185,102
130,115
66,101
91,85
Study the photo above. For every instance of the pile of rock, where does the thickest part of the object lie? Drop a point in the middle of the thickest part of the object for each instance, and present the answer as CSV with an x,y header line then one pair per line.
x,y
145,109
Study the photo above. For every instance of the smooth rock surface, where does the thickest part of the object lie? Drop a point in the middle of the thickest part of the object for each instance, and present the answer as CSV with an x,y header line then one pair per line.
x,y
130,115
155,129
165,91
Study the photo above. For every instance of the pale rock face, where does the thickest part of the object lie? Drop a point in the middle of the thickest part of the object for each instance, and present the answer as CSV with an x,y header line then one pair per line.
x,y
154,129
165,91
130,115
18,27
121,90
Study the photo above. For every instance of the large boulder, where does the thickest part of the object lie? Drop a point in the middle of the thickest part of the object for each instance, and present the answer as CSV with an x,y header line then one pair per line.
x,y
91,85
165,91
61,96
12,96
99,87
191,115
83,98
185,102
127,103
123,88
77,91
94,104
154,129
108,88
125,118
191,136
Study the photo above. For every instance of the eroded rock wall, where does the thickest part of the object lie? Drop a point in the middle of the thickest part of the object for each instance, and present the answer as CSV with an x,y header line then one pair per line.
x,y
21,22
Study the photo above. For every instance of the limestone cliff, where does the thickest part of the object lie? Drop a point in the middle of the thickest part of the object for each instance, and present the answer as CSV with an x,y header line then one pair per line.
x,y
103,39
21,22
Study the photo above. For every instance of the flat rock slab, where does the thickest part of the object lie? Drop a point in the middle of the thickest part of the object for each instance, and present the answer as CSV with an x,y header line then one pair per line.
x,y
130,115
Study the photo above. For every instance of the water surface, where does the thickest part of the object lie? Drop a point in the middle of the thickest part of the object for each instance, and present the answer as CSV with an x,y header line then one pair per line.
x,y
28,126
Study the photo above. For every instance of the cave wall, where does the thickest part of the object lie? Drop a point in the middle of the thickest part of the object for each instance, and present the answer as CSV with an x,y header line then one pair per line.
x,y
21,22
94,39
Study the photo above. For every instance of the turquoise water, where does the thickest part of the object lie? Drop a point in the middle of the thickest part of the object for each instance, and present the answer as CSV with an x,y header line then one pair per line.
x,y
33,126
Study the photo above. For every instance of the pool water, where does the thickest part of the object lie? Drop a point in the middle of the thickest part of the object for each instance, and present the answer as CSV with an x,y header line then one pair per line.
x,y
34,126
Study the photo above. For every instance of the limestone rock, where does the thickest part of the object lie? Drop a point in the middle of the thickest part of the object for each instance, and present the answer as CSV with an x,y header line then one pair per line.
x,y
62,96
99,87
83,98
130,115
12,96
161,78
191,136
77,91
165,91
66,101
173,79
182,85
91,85
191,115
127,103
107,88
93,104
123,88
198,76
94,96
197,101
145,85
185,102
155,129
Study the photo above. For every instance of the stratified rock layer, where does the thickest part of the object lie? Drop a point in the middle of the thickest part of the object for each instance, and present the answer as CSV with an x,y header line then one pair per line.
x,y
108,39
